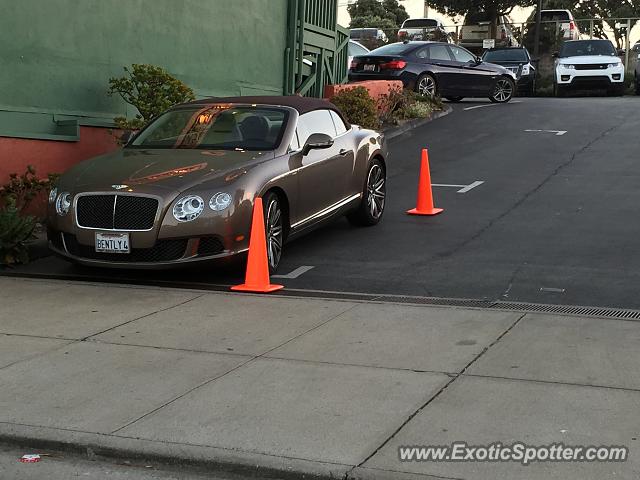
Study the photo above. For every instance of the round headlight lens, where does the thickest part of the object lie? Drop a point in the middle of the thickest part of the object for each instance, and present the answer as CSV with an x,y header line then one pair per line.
x,y
63,203
53,194
188,208
220,201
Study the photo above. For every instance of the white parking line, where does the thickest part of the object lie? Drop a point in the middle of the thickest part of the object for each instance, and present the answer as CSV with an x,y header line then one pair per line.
x,y
552,289
471,186
463,188
296,273
557,132
489,105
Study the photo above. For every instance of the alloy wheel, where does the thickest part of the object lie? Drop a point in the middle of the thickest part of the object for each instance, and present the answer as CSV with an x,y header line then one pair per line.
x,y
274,232
376,191
427,86
503,90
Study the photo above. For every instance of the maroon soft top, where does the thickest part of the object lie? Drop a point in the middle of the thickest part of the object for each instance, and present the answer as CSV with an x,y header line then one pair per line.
x,y
301,104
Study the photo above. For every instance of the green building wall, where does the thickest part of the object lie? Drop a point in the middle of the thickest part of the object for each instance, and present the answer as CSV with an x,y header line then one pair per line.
x,y
56,56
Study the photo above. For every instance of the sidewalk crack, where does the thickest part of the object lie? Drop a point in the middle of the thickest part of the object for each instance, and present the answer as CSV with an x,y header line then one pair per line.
x,y
439,392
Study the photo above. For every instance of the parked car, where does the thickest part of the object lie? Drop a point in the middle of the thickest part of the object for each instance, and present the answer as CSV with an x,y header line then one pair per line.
x,y
436,69
561,21
370,37
519,62
355,49
423,29
182,190
477,28
588,64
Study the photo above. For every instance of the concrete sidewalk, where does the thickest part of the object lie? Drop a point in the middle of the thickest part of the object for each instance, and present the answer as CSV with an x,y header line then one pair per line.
x,y
309,386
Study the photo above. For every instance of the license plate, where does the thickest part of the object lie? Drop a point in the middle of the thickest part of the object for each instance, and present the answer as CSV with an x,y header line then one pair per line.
x,y
112,243
369,68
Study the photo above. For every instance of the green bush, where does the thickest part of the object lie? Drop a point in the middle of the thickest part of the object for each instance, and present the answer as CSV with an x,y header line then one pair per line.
x,y
405,104
16,231
358,106
150,89
23,189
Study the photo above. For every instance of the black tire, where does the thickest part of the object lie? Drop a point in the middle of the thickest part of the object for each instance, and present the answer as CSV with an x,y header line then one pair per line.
x,y
374,194
426,85
503,90
454,99
274,225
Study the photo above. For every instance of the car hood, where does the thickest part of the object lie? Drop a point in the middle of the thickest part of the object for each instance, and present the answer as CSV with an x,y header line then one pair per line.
x,y
161,169
510,64
494,66
587,59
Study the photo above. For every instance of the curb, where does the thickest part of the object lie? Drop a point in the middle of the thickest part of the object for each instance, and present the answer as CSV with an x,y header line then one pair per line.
x,y
394,132
198,457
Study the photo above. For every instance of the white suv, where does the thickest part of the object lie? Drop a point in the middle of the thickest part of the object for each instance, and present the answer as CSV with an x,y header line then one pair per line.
x,y
586,64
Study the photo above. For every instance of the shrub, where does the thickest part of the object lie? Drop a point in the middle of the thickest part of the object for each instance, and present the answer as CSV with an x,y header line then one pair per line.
x,y
358,106
150,89
401,104
23,189
16,231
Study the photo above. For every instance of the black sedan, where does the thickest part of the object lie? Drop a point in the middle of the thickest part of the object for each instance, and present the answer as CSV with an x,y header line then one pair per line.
x,y
518,60
436,69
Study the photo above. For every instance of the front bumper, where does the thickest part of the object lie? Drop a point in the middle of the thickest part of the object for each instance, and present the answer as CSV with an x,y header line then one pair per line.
x,y
590,78
165,253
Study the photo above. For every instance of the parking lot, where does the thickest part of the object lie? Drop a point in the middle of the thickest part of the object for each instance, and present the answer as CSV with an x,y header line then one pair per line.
x,y
553,221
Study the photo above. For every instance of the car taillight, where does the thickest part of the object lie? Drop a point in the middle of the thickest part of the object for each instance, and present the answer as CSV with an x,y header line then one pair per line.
x,y
402,34
354,65
393,65
503,34
572,25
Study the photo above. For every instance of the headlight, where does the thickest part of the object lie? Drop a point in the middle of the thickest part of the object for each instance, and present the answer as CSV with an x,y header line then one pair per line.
x,y
526,69
188,208
568,66
614,65
53,194
220,201
63,203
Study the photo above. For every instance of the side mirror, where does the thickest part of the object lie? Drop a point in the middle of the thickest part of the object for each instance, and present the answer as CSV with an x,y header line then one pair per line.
x,y
317,141
555,54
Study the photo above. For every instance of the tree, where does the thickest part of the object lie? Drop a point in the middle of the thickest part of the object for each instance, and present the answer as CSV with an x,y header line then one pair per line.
x,y
493,9
600,10
364,12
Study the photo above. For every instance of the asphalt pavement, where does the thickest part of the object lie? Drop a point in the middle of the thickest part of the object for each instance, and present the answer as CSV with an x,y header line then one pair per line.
x,y
553,221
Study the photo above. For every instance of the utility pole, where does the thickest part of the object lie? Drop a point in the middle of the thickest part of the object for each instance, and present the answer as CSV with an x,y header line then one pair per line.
x,y
426,8
536,46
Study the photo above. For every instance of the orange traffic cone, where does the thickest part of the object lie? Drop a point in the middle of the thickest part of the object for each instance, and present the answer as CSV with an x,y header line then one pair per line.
x,y
257,276
425,197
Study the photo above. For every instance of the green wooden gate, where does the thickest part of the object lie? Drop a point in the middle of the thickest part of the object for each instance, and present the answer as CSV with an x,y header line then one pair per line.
x,y
317,48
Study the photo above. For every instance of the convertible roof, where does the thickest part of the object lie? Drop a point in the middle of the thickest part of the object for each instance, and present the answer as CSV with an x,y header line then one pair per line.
x,y
301,104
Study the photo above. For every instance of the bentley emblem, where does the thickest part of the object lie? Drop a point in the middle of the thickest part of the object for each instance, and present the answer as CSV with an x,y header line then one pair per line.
x,y
119,187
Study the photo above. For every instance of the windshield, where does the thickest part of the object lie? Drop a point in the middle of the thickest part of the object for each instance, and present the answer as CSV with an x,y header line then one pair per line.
x,y
420,23
393,49
510,55
587,47
215,127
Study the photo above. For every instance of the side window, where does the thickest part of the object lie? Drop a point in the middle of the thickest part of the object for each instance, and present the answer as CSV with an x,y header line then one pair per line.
x,y
318,121
339,124
422,53
439,52
462,55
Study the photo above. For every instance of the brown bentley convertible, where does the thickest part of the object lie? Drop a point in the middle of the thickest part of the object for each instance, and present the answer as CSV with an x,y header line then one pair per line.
x,y
182,190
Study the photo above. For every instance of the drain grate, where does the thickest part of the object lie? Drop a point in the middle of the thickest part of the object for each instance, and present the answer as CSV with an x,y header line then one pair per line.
x,y
569,309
